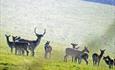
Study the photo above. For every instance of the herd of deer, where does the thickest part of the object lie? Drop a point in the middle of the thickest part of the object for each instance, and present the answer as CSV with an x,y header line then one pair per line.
x,y
22,45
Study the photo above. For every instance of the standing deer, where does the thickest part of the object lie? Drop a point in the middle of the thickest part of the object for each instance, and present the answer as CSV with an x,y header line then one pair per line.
x,y
75,53
74,47
48,49
33,43
10,44
20,47
96,58
84,56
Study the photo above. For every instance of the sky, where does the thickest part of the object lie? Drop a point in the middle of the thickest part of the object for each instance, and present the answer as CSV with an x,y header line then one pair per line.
x,y
109,2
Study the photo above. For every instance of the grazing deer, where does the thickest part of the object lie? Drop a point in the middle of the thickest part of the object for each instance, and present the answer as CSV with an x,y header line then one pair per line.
x,y
33,43
74,47
109,61
75,53
48,49
96,58
20,47
10,44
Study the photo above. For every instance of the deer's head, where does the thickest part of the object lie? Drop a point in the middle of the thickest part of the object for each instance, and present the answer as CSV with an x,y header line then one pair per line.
x,y
15,38
86,49
7,35
102,51
39,35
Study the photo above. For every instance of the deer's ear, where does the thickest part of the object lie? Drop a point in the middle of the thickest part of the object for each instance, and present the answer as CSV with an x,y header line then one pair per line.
x,y
5,34
9,35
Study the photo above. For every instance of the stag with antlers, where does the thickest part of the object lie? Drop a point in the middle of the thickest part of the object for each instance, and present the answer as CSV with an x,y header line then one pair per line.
x,y
33,43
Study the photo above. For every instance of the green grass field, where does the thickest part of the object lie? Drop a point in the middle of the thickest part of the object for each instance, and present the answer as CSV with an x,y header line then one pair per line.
x,y
10,61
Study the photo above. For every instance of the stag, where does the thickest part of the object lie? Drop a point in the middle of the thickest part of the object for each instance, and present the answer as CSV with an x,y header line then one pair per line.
x,y
33,43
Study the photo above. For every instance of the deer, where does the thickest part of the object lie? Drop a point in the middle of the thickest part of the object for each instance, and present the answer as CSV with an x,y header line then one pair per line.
x,y
10,44
84,56
109,61
20,47
97,58
33,43
74,53
74,47
48,49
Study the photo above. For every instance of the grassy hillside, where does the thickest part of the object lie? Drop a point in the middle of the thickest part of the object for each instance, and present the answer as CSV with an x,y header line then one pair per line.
x,y
85,23
10,61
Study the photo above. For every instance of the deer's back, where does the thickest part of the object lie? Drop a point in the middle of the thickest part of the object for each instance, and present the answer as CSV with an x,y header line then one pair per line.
x,y
72,52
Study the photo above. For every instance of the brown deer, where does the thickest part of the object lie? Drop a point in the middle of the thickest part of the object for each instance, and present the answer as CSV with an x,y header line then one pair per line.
x,y
48,49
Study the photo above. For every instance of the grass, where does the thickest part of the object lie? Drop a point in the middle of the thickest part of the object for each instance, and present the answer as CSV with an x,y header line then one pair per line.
x,y
10,61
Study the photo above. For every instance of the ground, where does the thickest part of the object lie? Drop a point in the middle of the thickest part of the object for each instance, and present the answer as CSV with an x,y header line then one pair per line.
x,y
10,61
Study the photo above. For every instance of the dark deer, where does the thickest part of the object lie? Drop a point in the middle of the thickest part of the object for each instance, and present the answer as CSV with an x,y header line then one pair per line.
x,y
97,58
48,49
33,43
109,61
20,47
84,56
10,44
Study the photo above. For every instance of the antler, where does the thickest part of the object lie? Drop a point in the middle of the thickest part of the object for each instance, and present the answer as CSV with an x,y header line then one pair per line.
x,y
35,31
44,31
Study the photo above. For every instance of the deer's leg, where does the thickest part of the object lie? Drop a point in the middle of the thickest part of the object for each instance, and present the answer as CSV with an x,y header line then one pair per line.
x,y
98,62
32,51
15,51
86,61
45,55
75,59
27,52
94,61
26,49
79,60
72,59
22,52
49,54
11,49
65,58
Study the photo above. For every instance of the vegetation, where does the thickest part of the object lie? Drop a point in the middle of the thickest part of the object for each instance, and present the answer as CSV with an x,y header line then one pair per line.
x,y
10,61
